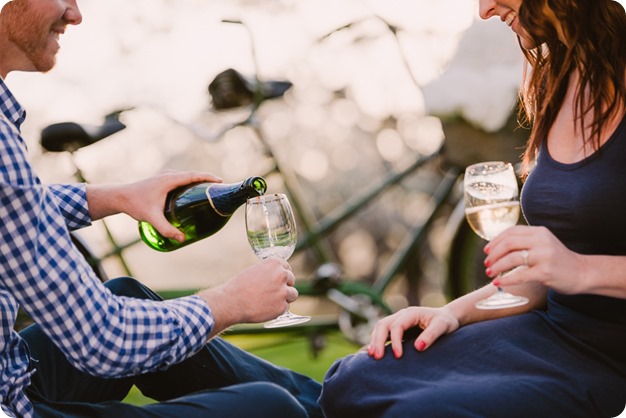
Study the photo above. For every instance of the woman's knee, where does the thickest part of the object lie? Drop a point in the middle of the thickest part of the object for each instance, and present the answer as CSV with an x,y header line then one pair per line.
x,y
345,372
348,387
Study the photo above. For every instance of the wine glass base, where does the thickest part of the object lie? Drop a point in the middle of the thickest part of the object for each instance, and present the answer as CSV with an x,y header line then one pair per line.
x,y
287,320
501,300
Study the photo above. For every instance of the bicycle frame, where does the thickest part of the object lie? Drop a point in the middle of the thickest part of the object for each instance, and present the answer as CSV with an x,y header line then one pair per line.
x,y
360,304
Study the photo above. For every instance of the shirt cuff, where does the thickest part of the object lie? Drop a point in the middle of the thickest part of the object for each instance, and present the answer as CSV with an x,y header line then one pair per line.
x,y
72,202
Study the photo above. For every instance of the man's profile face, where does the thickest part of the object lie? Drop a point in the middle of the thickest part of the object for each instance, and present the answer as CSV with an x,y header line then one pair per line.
x,y
32,29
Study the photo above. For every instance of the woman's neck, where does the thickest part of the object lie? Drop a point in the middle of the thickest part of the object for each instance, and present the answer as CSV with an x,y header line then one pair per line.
x,y
570,141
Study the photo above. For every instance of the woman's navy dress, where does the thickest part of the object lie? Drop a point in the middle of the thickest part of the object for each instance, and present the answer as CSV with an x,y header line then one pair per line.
x,y
568,361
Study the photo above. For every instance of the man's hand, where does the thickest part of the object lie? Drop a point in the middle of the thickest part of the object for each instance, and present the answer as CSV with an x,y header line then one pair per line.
x,y
143,200
257,294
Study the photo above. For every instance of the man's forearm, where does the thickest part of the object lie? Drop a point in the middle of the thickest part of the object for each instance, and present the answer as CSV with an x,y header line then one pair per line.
x,y
104,200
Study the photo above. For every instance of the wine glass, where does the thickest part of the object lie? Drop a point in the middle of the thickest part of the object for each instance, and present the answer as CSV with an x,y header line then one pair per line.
x,y
271,229
491,206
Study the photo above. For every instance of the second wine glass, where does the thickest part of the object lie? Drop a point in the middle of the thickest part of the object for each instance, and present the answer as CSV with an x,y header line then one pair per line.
x,y
492,205
272,232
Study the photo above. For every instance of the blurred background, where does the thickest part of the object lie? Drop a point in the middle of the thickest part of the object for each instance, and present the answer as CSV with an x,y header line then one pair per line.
x,y
376,84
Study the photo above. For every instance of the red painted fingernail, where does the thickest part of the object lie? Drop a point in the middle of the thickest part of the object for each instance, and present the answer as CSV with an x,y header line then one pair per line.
x,y
487,263
421,345
496,282
488,272
369,350
396,353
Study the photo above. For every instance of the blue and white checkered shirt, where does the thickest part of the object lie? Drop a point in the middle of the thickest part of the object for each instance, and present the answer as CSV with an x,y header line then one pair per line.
x,y
42,271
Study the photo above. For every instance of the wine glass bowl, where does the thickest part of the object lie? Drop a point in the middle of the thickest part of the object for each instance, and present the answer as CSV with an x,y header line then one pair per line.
x,y
271,226
272,232
491,198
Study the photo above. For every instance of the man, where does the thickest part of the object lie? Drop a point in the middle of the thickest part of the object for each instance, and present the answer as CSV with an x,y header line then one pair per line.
x,y
92,342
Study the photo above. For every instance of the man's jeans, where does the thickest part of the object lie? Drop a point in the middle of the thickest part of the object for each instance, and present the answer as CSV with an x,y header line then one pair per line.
x,y
220,381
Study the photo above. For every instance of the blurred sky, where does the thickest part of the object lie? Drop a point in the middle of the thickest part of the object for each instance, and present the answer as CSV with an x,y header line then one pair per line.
x,y
163,53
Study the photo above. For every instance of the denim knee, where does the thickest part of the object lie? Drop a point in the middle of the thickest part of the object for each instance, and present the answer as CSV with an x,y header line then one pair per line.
x,y
268,400
127,286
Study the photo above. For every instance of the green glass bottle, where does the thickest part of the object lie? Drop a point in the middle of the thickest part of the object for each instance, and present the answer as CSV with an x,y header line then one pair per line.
x,y
200,210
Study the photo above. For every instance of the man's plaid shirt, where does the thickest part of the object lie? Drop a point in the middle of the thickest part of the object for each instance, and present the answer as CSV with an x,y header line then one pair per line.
x,y
42,271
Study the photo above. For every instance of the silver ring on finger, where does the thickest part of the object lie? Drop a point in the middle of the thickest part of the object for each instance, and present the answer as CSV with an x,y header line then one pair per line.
x,y
525,258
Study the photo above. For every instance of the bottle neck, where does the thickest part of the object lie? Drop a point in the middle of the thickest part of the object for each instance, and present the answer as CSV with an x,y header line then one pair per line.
x,y
226,198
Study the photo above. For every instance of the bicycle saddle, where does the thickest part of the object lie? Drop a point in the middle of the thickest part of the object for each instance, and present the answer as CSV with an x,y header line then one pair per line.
x,y
71,136
230,89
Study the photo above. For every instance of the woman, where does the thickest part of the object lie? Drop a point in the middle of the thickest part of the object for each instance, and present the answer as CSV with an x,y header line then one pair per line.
x,y
563,354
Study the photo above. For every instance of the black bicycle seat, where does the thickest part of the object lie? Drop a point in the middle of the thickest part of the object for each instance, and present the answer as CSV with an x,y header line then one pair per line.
x,y
231,89
71,136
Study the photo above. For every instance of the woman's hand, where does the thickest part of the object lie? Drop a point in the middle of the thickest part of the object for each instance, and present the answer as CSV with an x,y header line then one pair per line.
x,y
144,200
541,259
435,322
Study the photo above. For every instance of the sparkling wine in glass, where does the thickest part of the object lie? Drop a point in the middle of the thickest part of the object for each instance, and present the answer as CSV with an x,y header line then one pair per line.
x,y
491,198
272,232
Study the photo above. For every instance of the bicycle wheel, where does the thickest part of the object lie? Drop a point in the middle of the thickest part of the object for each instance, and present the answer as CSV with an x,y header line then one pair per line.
x,y
466,271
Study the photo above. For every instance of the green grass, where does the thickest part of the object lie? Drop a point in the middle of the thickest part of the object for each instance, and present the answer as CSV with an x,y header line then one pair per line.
x,y
284,349
294,352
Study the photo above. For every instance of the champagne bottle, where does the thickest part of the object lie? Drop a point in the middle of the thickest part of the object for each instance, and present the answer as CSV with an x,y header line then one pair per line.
x,y
200,210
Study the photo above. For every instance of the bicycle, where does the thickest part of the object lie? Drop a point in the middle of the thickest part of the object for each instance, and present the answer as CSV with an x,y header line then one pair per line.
x,y
69,137
360,303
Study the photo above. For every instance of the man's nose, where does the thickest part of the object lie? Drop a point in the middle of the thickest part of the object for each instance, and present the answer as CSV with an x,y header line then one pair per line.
x,y
72,13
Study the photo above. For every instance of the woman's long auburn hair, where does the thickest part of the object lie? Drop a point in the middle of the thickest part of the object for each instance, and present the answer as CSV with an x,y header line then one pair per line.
x,y
595,32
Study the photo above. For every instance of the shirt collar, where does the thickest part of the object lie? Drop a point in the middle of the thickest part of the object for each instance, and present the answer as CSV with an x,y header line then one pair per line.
x,y
9,106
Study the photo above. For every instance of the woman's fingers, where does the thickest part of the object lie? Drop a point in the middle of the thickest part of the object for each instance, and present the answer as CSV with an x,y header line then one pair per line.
x,y
434,321
515,247
431,334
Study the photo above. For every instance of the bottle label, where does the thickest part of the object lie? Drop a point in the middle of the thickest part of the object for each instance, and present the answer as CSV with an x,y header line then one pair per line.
x,y
210,199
